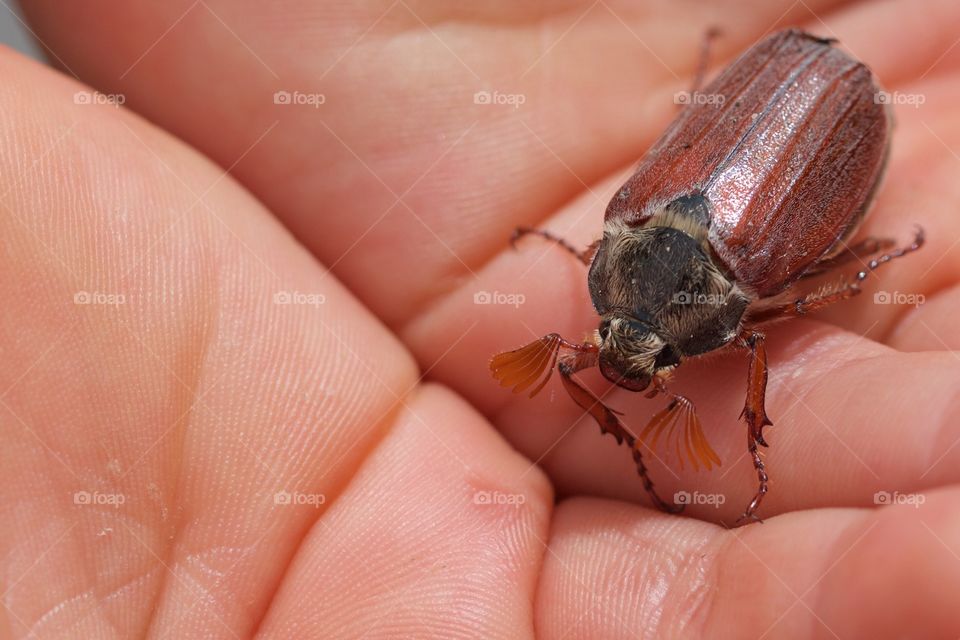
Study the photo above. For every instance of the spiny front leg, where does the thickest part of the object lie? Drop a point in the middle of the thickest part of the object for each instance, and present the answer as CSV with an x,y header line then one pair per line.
x,y
754,412
523,367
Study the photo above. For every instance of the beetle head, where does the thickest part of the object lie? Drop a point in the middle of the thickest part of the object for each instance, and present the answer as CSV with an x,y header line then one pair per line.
x,y
661,297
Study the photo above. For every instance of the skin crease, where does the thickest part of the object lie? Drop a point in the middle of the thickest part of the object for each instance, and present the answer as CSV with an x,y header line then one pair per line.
x,y
198,398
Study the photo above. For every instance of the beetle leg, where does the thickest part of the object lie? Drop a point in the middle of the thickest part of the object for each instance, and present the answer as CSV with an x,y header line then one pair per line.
x,y
755,414
866,247
837,292
704,60
585,256
609,423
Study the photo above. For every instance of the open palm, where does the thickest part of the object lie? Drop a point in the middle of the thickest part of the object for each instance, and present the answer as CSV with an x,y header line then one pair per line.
x,y
249,396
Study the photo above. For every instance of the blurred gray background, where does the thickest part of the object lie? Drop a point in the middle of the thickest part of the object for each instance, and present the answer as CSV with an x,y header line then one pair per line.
x,y
13,34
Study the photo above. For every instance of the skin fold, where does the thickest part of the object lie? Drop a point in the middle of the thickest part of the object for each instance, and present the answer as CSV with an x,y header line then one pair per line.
x,y
245,387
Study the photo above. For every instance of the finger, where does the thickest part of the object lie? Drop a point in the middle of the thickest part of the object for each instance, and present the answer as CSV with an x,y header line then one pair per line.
x,y
422,176
171,358
441,534
618,572
930,324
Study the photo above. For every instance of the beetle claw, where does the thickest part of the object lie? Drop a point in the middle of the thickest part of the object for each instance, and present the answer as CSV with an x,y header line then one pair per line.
x,y
747,516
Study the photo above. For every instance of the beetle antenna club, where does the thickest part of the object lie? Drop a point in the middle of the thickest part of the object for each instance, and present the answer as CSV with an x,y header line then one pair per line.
x,y
743,199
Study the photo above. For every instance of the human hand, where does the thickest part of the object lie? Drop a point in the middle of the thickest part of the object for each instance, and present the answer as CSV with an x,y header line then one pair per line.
x,y
220,440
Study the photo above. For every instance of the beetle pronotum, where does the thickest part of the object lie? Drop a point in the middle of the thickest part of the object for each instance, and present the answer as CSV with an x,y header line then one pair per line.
x,y
741,200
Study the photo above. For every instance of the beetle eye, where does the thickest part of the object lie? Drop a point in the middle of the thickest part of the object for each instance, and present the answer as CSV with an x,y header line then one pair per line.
x,y
604,330
666,358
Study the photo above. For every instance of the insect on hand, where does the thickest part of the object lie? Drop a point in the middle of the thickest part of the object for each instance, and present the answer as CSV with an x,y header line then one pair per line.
x,y
743,198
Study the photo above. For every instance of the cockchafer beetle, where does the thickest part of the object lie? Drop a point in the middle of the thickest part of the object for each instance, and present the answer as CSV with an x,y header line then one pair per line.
x,y
743,198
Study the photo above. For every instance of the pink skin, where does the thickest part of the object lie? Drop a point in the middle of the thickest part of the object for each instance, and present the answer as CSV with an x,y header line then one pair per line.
x,y
199,398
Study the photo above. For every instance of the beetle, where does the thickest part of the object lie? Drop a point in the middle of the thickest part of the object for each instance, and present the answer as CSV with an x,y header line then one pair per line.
x,y
743,198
